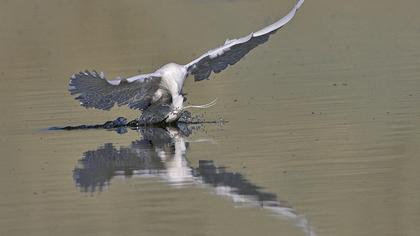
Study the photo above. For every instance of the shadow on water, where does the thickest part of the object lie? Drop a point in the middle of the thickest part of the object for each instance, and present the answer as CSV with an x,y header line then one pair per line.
x,y
161,152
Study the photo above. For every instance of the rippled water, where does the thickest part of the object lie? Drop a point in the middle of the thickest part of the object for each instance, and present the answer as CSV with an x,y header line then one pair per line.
x,y
323,133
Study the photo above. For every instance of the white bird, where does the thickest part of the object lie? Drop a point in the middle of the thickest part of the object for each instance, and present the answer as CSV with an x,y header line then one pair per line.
x,y
159,94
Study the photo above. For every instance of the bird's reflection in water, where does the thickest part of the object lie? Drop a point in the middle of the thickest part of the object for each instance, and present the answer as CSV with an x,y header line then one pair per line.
x,y
162,153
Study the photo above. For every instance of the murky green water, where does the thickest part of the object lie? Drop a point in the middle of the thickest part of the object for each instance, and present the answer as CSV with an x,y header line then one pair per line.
x,y
323,134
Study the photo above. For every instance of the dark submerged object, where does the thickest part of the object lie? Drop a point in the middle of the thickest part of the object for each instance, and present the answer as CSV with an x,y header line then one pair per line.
x,y
156,117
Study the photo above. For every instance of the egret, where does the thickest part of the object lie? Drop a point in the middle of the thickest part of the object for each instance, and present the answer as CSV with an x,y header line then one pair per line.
x,y
159,95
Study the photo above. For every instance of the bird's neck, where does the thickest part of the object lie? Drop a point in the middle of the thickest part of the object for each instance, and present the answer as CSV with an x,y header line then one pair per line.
x,y
174,74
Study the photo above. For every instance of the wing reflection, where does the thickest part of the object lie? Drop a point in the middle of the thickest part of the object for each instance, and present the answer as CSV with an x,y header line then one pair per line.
x,y
162,153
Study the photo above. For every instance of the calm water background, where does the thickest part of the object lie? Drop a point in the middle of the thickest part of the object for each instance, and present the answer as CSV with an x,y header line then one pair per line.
x,y
325,117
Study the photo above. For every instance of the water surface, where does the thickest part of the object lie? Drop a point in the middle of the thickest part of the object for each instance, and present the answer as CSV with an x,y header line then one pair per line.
x,y
323,133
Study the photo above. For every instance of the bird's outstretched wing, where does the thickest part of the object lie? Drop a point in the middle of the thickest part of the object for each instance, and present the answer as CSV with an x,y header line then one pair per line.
x,y
94,91
232,51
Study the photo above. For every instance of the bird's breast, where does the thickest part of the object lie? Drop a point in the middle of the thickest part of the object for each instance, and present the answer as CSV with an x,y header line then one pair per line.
x,y
173,76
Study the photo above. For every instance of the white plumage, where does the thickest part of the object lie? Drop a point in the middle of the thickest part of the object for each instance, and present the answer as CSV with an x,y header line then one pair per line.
x,y
159,94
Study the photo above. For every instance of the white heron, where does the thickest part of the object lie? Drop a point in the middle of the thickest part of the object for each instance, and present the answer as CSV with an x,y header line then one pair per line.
x,y
159,94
